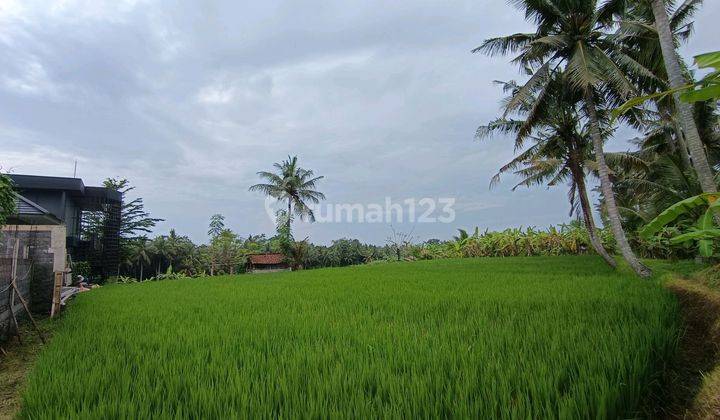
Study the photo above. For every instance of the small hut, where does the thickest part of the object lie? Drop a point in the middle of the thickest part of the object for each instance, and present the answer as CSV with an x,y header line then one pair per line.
x,y
267,263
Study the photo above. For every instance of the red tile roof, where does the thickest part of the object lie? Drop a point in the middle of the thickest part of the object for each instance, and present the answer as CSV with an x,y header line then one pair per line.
x,y
261,259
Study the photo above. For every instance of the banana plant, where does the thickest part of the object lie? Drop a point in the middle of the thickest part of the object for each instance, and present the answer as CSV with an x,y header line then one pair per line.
x,y
461,241
704,232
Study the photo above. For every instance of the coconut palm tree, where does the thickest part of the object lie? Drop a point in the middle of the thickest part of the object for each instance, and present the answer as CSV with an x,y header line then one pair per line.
x,y
293,184
644,40
572,38
677,80
559,151
140,254
161,250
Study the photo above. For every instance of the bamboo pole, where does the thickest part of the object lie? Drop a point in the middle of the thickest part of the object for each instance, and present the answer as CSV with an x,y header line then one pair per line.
x,y
22,300
11,291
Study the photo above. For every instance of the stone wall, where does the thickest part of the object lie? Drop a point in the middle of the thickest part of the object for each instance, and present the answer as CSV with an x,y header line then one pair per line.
x,y
41,252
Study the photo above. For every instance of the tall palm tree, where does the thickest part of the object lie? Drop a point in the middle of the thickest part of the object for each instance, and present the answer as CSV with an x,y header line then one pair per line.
x,y
684,110
559,151
293,184
650,36
161,251
572,37
140,254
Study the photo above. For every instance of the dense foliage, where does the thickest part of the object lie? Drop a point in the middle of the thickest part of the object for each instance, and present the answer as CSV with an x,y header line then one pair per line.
x,y
227,251
566,240
7,198
584,59
480,338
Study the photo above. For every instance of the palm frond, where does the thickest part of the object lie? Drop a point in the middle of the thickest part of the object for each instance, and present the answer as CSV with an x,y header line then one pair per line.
x,y
498,126
684,12
505,44
582,69
523,94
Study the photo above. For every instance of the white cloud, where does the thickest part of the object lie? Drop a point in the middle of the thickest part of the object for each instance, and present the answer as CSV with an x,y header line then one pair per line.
x,y
31,79
215,95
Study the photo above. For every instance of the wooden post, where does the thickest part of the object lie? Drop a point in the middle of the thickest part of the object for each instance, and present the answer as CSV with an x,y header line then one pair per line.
x,y
29,314
57,289
11,293
13,284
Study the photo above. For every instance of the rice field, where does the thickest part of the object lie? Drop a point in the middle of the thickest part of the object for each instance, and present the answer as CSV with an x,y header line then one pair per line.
x,y
533,337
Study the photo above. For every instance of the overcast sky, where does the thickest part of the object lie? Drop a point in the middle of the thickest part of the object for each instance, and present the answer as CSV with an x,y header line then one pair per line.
x,y
189,100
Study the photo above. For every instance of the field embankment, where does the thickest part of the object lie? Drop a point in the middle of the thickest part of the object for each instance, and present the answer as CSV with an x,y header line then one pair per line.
x,y
694,384
482,338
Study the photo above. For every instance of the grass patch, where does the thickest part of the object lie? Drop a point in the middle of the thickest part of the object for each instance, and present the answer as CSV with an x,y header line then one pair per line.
x,y
16,363
538,337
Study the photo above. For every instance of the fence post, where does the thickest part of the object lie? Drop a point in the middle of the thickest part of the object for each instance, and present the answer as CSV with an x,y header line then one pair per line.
x,y
57,289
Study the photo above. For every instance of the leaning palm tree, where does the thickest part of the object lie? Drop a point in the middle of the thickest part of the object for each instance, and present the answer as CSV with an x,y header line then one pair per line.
x,y
293,184
572,38
651,37
559,151
684,110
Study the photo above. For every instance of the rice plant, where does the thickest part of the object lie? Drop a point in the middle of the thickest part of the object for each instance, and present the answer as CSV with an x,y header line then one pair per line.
x,y
523,337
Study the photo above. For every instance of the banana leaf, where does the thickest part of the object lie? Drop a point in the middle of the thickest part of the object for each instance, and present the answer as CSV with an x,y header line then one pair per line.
x,y
696,235
679,209
705,223
709,90
711,59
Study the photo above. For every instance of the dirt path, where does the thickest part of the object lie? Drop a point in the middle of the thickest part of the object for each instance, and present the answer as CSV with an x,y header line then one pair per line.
x,y
14,367
693,382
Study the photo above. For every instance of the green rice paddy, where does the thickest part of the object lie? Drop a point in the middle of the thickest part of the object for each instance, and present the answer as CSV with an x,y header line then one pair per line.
x,y
555,337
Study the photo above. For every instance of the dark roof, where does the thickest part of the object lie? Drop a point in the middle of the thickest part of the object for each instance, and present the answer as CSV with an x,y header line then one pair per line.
x,y
36,182
31,212
74,186
25,206
263,259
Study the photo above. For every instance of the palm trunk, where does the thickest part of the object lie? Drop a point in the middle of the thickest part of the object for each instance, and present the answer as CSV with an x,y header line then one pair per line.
x,y
595,240
141,271
288,215
682,146
684,110
607,191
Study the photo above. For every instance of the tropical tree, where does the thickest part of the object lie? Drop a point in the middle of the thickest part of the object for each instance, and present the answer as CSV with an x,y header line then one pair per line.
x,y
647,182
217,224
7,198
573,38
399,241
226,252
560,148
140,254
161,251
293,184
684,110
295,251
651,36
134,220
